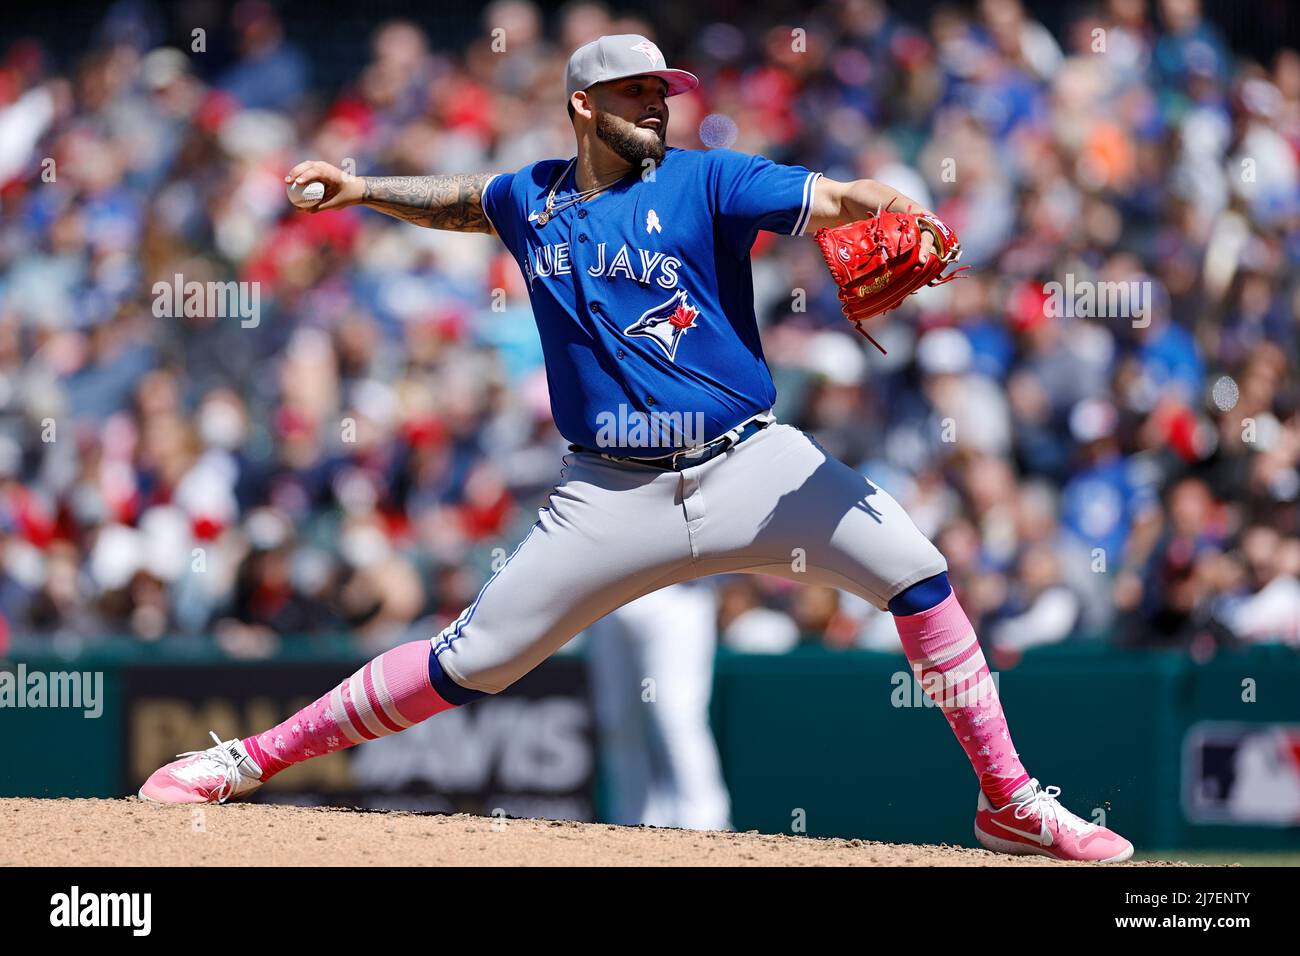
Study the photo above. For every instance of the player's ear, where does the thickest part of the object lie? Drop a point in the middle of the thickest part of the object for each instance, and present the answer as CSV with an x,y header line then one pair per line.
x,y
580,104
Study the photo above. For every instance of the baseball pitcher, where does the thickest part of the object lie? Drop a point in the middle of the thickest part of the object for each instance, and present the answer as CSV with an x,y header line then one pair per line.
x,y
637,262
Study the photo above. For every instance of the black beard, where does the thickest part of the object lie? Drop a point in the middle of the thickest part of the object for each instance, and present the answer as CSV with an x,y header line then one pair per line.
x,y
621,136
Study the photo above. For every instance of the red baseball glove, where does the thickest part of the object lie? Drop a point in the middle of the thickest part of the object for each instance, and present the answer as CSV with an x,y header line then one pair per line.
x,y
876,262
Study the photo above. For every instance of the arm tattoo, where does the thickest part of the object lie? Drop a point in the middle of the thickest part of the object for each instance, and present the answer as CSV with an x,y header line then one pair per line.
x,y
435,202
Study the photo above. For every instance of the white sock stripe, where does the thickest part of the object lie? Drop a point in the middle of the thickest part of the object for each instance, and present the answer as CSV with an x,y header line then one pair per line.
x,y
361,701
385,698
982,692
341,716
962,672
951,651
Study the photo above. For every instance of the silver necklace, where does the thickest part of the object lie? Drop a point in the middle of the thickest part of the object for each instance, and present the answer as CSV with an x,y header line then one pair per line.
x,y
552,207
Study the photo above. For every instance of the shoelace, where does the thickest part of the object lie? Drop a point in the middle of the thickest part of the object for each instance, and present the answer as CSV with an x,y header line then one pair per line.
x,y
1043,802
227,764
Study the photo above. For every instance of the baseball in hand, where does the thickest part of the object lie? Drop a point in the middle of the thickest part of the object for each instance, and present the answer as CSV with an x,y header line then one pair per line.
x,y
307,195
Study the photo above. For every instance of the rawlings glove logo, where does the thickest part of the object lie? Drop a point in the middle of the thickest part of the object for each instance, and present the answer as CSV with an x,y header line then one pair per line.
x,y
875,285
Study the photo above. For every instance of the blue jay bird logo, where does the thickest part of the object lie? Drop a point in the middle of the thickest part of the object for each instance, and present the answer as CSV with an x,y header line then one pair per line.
x,y
666,323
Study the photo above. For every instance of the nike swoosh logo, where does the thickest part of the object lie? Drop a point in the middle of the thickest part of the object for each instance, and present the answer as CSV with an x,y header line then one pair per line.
x,y
1040,839
245,764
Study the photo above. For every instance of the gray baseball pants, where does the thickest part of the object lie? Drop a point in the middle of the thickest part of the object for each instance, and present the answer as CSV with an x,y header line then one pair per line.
x,y
611,532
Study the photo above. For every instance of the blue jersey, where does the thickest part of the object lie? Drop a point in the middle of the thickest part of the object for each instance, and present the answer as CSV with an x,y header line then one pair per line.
x,y
644,296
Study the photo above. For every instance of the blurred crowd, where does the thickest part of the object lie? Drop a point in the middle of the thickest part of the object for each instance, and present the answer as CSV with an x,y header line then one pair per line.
x,y
361,454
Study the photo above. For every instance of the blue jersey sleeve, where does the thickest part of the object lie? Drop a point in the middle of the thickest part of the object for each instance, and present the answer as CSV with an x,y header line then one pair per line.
x,y
497,206
752,193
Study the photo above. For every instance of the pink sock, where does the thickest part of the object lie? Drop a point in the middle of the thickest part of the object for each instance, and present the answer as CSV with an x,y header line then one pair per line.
x,y
387,695
947,660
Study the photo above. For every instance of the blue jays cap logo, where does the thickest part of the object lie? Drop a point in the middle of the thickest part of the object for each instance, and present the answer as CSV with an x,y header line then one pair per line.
x,y
666,323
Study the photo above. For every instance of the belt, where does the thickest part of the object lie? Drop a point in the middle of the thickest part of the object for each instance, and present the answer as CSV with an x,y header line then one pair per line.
x,y
697,454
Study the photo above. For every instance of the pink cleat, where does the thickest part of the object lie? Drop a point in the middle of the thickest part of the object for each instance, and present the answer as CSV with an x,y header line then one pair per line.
x,y
214,775
1037,824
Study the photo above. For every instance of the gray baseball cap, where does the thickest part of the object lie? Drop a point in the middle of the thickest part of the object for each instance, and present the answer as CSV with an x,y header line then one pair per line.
x,y
615,57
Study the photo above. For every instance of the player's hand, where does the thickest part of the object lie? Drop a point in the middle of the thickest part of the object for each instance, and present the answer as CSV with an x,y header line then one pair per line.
x,y
926,247
341,189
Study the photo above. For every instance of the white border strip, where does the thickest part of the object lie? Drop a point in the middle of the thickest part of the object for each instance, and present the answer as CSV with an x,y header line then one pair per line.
x,y
482,201
805,212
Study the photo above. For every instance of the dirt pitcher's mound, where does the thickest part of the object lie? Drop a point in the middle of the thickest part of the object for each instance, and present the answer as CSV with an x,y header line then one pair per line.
x,y
135,833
